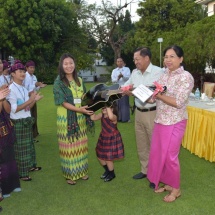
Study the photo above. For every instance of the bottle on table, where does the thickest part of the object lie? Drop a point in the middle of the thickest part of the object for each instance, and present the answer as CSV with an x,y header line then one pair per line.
x,y
197,94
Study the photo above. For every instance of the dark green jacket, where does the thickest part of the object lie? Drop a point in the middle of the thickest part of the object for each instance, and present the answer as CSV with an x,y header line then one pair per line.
x,y
63,94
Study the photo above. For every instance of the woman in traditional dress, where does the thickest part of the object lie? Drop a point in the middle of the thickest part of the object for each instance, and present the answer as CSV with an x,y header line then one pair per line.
x,y
21,117
8,167
71,121
170,125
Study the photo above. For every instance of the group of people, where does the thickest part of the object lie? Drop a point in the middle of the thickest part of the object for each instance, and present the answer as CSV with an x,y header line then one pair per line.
x,y
160,122
17,97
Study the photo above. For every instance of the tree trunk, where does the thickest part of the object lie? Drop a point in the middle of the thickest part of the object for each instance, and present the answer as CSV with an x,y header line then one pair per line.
x,y
116,49
117,53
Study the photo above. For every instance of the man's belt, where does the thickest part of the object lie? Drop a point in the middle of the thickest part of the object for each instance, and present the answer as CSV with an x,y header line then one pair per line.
x,y
146,109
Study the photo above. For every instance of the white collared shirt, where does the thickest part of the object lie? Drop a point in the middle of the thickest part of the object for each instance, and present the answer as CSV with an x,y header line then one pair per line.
x,y
18,95
29,82
125,71
5,79
147,78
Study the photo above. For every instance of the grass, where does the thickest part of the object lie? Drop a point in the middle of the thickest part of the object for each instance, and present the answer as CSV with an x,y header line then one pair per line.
x,y
48,193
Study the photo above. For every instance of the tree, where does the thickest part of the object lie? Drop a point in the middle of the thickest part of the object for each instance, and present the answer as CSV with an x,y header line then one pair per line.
x,y
198,43
125,26
164,16
163,19
42,30
102,23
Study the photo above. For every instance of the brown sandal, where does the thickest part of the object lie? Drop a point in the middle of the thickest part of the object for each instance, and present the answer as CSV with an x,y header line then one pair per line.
x,y
26,178
160,189
70,182
38,168
172,197
163,189
86,177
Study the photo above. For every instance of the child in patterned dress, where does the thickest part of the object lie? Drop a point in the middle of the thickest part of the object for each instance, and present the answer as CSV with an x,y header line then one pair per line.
x,y
109,146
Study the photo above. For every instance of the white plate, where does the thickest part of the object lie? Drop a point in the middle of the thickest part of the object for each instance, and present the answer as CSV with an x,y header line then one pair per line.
x,y
211,103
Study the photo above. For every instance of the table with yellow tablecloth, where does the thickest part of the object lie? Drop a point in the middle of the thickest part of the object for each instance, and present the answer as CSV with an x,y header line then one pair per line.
x,y
199,136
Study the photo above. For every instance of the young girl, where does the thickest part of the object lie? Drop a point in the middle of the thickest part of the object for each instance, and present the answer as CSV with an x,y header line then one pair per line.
x,y
109,146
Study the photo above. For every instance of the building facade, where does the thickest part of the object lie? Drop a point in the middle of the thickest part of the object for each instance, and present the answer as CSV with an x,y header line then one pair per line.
x,y
210,5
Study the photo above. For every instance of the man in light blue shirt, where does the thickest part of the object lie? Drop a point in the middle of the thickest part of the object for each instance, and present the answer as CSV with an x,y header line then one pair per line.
x,y
120,75
31,84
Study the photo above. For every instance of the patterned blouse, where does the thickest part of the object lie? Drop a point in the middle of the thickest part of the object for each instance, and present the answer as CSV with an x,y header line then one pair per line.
x,y
179,86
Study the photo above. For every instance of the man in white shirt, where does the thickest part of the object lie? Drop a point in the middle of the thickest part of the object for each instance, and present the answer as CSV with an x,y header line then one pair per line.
x,y
31,84
20,115
146,74
120,75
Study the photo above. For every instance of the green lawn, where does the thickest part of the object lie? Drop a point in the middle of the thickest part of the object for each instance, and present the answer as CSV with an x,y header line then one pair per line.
x,y
48,193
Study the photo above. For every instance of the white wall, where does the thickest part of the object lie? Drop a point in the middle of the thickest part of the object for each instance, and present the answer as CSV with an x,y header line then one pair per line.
x,y
211,8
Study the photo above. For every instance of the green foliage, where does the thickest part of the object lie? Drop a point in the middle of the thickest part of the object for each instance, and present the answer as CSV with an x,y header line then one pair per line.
x,y
125,24
165,15
178,22
196,39
108,54
42,30
198,44
47,73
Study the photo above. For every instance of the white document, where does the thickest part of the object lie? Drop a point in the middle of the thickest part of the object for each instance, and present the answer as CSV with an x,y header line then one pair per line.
x,y
142,92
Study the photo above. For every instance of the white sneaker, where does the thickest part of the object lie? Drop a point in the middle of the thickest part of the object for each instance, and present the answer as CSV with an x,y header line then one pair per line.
x,y
6,195
18,189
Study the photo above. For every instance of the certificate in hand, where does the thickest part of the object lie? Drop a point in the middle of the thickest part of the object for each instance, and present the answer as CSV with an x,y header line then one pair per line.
x,y
142,92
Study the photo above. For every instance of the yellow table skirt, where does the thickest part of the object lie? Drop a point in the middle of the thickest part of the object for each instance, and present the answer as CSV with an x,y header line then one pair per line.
x,y
199,136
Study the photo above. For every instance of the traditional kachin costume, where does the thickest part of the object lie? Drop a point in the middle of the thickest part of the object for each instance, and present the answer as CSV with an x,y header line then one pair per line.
x,y
71,130
9,177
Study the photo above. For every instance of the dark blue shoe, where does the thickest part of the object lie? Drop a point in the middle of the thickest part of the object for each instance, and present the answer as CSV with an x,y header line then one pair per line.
x,y
152,185
139,176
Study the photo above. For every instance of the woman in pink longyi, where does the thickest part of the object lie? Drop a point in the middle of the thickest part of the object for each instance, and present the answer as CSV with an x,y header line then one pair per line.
x,y
170,124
